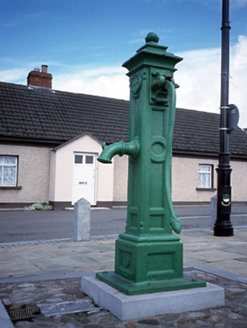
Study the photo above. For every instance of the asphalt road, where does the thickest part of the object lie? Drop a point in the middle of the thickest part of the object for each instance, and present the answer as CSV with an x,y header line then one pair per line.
x,y
43,225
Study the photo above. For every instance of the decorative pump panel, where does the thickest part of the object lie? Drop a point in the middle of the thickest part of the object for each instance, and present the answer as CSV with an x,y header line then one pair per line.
x,y
149,256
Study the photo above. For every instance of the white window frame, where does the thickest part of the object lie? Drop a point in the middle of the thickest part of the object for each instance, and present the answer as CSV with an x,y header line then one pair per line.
x,y
208,176
6,165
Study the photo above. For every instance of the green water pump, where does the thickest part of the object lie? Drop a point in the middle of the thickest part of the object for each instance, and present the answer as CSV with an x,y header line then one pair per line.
x,y
149,256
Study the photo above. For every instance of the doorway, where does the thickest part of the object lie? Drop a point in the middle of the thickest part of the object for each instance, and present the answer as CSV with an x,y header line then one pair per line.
x,y
84,177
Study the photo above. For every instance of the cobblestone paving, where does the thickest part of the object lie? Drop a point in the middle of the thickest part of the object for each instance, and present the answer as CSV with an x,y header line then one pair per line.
x,y
29,294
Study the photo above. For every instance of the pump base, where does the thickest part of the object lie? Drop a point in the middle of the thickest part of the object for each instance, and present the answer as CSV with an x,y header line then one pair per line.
x,y
131,288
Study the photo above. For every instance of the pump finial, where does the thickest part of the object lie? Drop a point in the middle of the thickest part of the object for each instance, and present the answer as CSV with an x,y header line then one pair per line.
x,y
152,37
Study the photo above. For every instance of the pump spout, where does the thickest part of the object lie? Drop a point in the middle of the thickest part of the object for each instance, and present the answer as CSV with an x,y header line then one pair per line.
x,y
121,148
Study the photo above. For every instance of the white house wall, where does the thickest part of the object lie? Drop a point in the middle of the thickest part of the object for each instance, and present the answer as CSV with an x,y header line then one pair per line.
x,y
45,175
120,178
62,171
33,174
239,181
105,182
185,179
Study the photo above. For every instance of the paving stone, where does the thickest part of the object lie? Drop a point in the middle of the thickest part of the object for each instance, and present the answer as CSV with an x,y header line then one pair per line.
x,y
169,325
59,308
235,290
150,322
6,301
213,312
219,325
233,315
109,321
195,315
168,318
215,318
237,325
202,323
23,324
129,325
243,312
242,249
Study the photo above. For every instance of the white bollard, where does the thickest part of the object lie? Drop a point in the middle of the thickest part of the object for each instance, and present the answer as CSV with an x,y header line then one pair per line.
x,y
213,208
82,213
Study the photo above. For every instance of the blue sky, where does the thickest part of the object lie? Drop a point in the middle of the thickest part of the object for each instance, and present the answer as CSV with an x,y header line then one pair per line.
x,y
85,42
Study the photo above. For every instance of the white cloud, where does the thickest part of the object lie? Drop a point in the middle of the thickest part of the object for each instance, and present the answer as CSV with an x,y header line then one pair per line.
x,y
106,81
14,75
139,40
238,83
198,76
20,69
199,79
240,3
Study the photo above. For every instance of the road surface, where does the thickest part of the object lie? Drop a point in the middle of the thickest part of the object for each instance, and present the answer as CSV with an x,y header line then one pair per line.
x,y
43,225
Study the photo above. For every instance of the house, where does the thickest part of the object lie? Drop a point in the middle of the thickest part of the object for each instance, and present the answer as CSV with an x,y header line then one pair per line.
x,y
50,140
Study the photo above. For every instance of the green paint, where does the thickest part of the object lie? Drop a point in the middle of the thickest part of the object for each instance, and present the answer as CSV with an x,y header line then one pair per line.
x,y
149,257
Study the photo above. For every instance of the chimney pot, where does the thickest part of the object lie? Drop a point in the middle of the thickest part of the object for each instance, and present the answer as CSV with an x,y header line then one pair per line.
x,y
44,68
37,70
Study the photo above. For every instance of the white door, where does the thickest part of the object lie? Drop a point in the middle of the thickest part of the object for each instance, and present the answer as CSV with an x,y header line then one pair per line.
x,y
84,177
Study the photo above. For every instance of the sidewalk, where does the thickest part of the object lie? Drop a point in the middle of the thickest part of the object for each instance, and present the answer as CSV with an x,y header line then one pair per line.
x,y
224,257
66,256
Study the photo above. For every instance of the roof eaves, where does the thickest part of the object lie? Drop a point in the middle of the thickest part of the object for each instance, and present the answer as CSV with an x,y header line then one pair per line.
x,y
76,138
51,142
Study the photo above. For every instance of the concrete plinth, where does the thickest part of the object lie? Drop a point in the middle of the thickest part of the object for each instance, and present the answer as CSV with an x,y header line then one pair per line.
x,y
127,307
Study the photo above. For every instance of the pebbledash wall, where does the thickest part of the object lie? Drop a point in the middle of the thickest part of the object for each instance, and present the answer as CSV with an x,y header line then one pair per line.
x,y
33,175
185,180
46,174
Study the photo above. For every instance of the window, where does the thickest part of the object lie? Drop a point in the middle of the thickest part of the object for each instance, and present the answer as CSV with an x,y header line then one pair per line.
x,y
8,171
89,159
84,159
78,159
205,176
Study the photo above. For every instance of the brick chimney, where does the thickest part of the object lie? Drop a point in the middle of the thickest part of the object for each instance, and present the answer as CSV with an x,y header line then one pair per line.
x,y
40,79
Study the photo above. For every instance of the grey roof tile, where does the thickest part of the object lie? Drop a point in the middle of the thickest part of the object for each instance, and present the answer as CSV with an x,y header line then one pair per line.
x,y
44,114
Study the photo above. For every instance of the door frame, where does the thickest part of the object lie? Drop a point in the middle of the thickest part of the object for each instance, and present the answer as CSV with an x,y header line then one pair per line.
x,y
95,175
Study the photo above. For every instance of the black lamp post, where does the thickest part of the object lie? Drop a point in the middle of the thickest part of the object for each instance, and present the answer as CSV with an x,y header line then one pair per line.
x,y
223,226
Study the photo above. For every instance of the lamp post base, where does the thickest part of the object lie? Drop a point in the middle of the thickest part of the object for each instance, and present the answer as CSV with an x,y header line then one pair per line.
x,y
223,231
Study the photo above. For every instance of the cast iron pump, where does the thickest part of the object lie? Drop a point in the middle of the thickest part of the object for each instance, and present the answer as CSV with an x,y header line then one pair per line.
x,y
149,257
